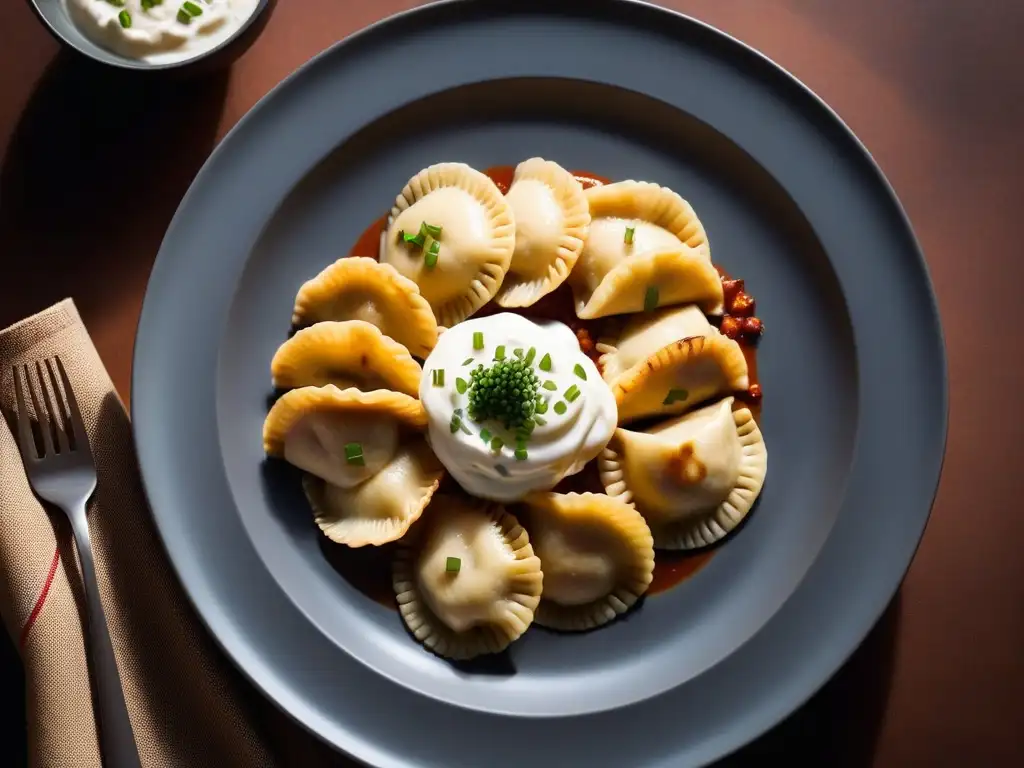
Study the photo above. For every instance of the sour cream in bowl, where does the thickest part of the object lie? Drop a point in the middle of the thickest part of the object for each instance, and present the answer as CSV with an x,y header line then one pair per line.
x,y
159,33
513,405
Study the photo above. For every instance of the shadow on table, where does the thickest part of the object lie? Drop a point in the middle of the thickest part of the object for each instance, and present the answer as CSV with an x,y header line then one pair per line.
x,y
93,173
839,727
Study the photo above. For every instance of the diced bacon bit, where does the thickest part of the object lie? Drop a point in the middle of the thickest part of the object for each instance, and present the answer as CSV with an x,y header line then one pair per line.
x,y
742,305
732,327
586,343
731,288
752,328
754,393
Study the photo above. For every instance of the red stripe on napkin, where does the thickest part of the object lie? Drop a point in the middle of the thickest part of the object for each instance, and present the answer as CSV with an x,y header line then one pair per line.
x,y
38,607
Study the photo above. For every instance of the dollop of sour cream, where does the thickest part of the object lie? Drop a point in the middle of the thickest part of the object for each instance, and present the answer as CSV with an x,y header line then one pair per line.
x,y
160,31
578,421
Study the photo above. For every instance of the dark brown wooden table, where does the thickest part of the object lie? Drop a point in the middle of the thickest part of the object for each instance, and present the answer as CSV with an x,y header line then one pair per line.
x,y
934,89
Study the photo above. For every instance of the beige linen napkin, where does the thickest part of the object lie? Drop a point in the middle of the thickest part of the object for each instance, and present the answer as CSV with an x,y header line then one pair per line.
x,y
188,705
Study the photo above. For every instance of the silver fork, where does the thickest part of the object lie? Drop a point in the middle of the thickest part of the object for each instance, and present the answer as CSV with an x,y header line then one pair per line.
x,y
64,475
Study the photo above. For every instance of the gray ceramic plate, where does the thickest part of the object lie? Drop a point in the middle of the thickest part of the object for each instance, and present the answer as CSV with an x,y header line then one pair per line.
x,y
852,366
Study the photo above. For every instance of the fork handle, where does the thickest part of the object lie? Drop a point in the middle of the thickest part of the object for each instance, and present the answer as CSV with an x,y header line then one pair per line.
x,y
117,741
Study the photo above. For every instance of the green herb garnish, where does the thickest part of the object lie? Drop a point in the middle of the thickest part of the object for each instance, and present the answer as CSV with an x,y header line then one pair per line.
x,y
438,377
354,454
518,352
478,340
530,354
496,444
521,454
125,18
550,386
505,392
560,408
545,363
542,406
572,393
628,239
467,361
452,565
191,8
461,386
417,240
578,370
430,260
540,422
116,3
430,229
651,299
456,422
499,353
674,396
485,435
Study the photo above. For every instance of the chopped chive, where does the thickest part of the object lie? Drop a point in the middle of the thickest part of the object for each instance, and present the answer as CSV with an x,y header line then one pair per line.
x,y
542,406
530,354
191,8
438,374
560,408
628,239
423,229
651,299
545,362
454,425
457,411
578,370
572,393
485,435
125,18
354,454
518,352
452,565
461,386
499,353
478,340
467,361
434,232
430,260
539,420
183,16
147,5
550,386
496,444
464,428
116,3
417,240
521,454
674,396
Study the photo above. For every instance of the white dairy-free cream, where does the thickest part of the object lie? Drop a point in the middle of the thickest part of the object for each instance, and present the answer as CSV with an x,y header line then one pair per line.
x,y
160,31
488,460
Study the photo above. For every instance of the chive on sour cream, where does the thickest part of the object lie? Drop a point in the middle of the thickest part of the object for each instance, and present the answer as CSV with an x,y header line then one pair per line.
x,y
513,405
160,31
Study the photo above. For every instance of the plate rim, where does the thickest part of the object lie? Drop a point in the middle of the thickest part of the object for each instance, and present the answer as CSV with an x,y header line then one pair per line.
x,y
892,204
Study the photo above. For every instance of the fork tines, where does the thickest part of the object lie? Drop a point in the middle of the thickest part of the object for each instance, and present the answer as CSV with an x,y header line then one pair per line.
x,y
54,406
